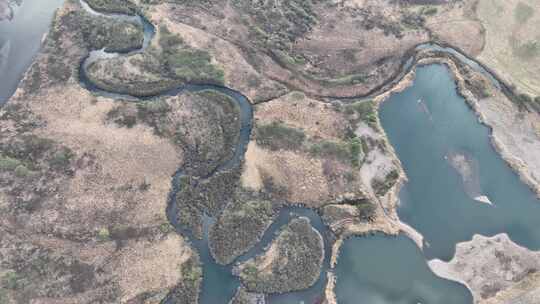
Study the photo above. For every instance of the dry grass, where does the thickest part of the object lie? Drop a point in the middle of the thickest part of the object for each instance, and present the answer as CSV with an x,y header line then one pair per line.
x,y
527,291
339,56
112,164
316,119
141,266
493,268
512,42
457,26
120,157
239,74
300,177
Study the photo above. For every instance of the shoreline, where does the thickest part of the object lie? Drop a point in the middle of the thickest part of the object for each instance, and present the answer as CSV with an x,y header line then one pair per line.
x,y
392,197
444,269
405,82
517,165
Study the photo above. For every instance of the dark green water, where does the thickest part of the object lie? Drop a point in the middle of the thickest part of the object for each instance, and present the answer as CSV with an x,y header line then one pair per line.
x,y
385,270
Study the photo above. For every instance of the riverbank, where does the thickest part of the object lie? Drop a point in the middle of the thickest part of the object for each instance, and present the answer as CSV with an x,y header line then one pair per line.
x,y
426,58
515,133
339,161
495,269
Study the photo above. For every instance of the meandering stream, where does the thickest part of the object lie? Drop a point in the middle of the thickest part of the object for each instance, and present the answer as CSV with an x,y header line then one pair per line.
x,y
375,269
218,281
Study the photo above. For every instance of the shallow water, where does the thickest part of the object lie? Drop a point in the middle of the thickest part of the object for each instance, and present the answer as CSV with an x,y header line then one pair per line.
x,y
434,201
20,40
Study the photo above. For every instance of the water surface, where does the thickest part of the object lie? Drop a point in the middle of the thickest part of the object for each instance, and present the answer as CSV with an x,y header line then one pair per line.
x,y
374,269
219,285
427,122
20,40
391,270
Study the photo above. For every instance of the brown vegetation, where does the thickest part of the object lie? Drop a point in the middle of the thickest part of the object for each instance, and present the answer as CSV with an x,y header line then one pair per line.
x,y
292,262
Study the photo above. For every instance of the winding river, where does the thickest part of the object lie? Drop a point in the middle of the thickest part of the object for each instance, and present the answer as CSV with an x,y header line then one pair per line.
x,y
374,269
218,281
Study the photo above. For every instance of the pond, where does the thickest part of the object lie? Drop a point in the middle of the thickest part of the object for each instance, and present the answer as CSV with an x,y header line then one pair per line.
x,y
387,270
429,124
426,124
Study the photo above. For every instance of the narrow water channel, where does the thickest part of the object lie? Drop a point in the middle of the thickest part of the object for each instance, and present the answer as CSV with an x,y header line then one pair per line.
x,y
426,123
219,284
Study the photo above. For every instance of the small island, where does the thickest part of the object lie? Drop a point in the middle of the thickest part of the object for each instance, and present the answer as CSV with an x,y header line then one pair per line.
x,y
292,262
467,168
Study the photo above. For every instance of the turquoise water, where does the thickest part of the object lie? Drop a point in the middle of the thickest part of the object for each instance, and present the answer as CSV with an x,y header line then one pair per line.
x,y
434,200
425,123
374,269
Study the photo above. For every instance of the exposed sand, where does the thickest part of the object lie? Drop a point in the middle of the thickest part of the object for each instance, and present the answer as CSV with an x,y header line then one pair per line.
x,y
329,295
483,199
491,265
